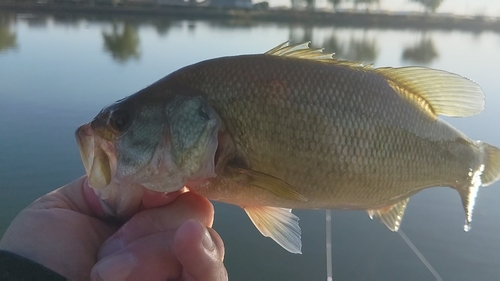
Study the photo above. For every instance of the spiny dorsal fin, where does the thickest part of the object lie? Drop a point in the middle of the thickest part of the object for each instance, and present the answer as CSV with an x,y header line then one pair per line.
x,y
392,215
303,51
279,224
436,91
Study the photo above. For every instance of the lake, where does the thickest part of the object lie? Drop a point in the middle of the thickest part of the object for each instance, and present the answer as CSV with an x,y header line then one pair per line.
x,y
56,73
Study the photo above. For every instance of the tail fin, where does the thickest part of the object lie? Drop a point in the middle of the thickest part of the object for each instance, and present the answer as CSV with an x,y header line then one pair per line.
x,y
490,174
491,171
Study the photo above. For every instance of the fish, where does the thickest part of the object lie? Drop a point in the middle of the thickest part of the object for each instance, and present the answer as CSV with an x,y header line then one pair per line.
x,y
293,128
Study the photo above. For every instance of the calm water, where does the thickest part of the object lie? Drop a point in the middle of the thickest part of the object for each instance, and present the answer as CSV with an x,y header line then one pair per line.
x,y
57,73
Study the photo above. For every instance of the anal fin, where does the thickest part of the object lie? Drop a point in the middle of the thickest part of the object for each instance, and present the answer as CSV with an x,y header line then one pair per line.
x,y
390,215
279,224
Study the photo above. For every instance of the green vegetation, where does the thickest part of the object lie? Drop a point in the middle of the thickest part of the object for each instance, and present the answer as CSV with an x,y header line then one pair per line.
x,y
8,39
122,43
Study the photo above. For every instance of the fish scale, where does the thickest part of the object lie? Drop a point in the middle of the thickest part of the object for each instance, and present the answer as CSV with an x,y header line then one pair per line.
x,y
293,128
321,165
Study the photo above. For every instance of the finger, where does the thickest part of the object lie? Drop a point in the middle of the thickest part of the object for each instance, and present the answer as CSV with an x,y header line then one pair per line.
x,y
127,200
187,206
76,196
200,251
149,258
72,196
196,254
154,199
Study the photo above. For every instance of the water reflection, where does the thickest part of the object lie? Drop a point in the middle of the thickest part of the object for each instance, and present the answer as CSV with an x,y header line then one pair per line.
x,y
364,49
67,20
333,44
8,38
301,34
122,42
37,21
122,39
52,102
423,52
162,26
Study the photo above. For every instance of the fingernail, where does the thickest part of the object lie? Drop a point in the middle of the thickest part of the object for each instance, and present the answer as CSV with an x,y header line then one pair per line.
x,y
111,247
207,241
118,267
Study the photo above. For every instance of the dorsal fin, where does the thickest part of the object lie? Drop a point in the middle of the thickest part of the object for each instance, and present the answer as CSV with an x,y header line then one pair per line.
x,y
436,91
303,51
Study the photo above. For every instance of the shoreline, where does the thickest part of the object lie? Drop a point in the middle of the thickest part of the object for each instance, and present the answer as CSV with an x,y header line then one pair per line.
x,y
384,20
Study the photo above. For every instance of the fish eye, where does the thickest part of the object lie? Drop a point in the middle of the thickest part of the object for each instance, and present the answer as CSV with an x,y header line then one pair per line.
x,y
119,120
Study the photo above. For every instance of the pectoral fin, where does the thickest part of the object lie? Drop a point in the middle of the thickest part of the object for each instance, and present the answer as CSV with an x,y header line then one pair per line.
x,y
279,224
270,183
390,215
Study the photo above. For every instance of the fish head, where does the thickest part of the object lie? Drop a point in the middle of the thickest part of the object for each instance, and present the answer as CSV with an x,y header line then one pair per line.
x,y
156,144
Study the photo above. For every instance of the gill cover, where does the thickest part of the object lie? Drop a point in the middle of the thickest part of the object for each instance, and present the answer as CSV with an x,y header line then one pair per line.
x,y
194,126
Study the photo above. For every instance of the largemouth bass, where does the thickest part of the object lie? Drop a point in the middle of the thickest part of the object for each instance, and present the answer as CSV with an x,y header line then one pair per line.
x,y
291,128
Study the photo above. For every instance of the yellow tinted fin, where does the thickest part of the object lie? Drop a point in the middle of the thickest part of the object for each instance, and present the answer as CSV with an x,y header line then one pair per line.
x,y
100,174
303,51
491,171
435,91
487,173
270,183
391,215
279,224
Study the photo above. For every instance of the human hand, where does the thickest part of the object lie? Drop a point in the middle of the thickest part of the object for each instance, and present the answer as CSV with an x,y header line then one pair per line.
x,y
67,231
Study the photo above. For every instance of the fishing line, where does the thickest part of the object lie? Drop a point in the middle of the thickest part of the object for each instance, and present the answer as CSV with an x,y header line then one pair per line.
x,y
419,255
329,270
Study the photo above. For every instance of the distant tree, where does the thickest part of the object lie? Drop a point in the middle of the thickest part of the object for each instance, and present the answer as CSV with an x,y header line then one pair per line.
x,y
366,3
301,34
333,44
423,52
310,4
364,50
429,5
8,38
162,26
335,3
295,3
123,44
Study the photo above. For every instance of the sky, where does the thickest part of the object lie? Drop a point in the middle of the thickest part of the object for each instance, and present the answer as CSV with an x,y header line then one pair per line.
x,y
463,7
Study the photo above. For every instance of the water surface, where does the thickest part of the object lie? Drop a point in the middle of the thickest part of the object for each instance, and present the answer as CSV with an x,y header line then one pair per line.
x,y
58,72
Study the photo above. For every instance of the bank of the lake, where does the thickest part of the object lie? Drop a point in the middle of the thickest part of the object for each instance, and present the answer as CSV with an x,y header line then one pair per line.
x,y
317,17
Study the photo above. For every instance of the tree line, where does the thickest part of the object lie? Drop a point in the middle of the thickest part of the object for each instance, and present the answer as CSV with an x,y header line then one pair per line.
x,y
430,6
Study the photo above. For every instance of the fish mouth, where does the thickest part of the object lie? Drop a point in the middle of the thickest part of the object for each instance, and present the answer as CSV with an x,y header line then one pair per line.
x,y
119,199
97,157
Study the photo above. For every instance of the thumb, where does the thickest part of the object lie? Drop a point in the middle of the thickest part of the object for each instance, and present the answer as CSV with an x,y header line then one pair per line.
x,y
200,251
